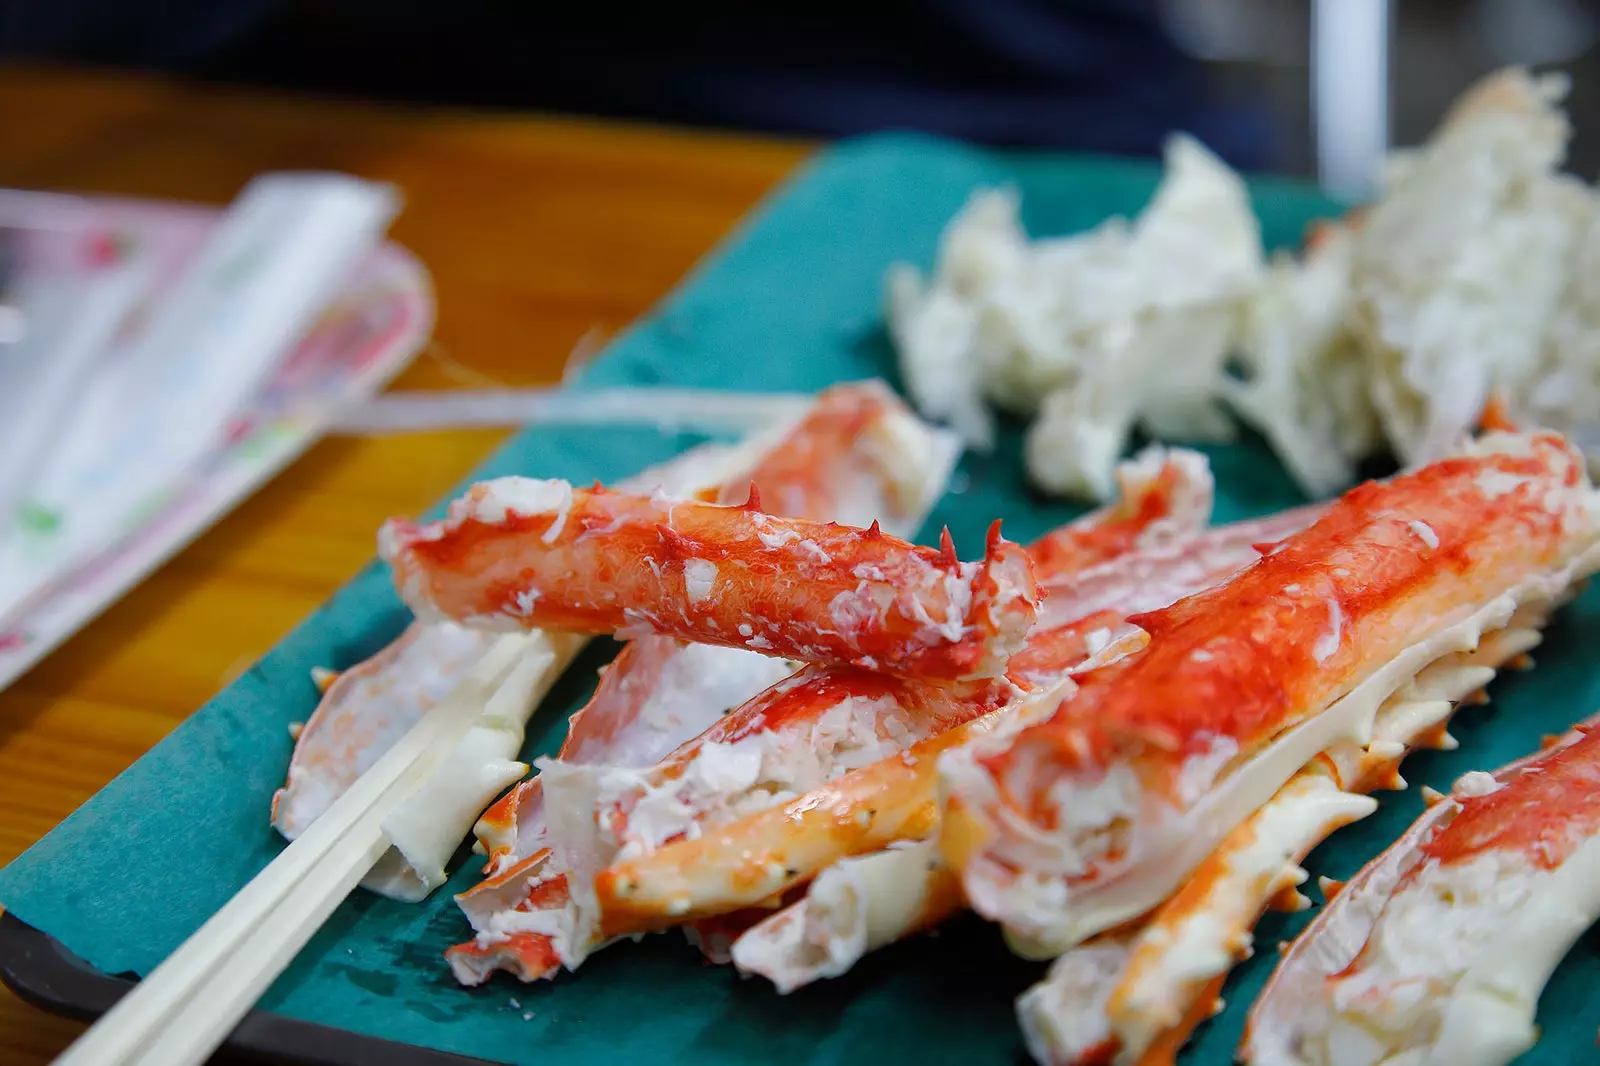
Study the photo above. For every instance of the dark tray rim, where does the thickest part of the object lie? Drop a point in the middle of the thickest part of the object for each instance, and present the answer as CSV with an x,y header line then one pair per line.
x,y
42,972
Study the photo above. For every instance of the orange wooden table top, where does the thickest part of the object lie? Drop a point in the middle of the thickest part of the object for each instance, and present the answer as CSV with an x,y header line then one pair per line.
x,y
540,234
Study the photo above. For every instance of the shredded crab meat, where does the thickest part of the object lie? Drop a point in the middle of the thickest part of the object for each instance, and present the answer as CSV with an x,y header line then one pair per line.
x,y
1438,949
1098,800
1081,324
1441,322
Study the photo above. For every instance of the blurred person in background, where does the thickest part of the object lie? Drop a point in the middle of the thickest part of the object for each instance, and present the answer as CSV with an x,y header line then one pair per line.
x,y
1090,75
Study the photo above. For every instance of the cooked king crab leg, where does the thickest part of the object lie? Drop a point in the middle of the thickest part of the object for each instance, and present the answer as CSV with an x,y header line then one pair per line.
x,y
523,552
1086,821
1437,951
812,727
866,902
775,849
1173,965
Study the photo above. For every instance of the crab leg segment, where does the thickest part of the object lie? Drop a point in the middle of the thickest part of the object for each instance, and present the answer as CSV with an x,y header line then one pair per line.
x,y
1437,951
517,551
858,455
1188,946
1166,497
773,850
1096,816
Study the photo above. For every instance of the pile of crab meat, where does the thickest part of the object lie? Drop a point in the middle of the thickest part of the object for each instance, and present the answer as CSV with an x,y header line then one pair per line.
x,y
1118,742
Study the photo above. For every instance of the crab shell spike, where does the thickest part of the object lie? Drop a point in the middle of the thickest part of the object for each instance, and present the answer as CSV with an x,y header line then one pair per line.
x,y
1385,750
1331,888
323,678
1520,662
1496,416
947,549
1291,901
753,501
873,531
1431,795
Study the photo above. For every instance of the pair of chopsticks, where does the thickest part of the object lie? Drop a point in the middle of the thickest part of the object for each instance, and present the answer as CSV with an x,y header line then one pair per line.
x,y
187,1006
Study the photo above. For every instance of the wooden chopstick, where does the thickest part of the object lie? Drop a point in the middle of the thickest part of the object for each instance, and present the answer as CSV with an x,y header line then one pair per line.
x,y
255,935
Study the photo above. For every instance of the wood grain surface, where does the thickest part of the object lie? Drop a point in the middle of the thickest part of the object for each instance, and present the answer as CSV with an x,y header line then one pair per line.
x,y
541,234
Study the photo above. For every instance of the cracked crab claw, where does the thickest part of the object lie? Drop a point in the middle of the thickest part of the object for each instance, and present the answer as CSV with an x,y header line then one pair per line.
x,y
1437,950
1092,818
523,552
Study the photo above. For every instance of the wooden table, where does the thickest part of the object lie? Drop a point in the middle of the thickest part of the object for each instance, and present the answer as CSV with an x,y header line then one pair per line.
x,y
539,233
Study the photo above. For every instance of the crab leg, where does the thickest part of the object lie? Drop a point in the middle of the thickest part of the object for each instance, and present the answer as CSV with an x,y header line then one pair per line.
x,y
1086,821
1173,965
522,552
769,852
1506,870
